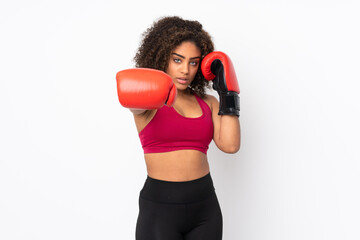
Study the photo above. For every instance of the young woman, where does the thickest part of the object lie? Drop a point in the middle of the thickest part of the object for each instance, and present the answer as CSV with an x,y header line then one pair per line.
x,y
176,122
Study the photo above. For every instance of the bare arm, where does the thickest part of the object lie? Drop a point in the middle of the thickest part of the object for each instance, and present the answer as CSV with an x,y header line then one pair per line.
x,y
227,132
137,111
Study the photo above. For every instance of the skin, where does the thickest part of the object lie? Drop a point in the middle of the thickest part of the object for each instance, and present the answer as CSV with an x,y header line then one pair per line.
x,y
186,165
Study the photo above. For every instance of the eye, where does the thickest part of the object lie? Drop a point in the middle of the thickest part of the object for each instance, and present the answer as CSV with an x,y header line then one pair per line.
x,y
177,60
194,63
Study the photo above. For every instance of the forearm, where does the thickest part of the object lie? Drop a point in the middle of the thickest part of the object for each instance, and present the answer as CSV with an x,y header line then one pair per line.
x,y
137,111
217,66
230,134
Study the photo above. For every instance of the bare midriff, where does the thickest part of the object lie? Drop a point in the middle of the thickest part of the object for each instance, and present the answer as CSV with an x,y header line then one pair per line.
x,y
177,166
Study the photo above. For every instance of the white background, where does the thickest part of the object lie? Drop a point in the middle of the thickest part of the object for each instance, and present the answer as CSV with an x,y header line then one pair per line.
x,y
71,163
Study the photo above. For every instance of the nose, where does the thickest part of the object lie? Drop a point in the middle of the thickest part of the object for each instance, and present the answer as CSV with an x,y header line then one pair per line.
x,y
185,68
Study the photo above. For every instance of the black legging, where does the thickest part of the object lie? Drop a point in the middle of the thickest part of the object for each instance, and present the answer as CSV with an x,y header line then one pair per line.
x,y
179,211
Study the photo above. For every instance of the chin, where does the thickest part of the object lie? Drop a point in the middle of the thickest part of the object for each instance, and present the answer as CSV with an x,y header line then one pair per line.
x,y
181,87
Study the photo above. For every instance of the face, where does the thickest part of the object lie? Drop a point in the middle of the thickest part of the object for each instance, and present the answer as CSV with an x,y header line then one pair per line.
x,y
183,64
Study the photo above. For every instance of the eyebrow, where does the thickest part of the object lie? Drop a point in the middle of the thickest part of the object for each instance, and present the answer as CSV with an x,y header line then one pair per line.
x,y
184,57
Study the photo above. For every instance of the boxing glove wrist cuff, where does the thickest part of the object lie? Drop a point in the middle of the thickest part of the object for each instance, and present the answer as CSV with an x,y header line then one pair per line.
x,y
229,104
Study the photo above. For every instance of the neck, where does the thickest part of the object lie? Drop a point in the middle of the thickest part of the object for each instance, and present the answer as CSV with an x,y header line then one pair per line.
x,y
183,93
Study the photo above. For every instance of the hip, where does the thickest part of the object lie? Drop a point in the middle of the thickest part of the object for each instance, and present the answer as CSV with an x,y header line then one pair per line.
x,y
177,192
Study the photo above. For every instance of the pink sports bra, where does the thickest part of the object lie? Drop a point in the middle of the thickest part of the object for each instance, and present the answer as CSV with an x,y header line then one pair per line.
x,y
170,131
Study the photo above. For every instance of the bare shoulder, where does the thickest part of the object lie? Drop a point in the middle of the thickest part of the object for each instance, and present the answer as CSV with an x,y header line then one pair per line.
x,y
211,100
138,111
143,118
142,114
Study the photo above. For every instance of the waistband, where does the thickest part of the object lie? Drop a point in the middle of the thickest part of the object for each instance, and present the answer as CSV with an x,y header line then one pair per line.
x,y
177,192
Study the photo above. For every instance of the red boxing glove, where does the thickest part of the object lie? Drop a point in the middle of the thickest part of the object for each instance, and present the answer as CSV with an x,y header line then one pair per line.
x,y
145,88
217,66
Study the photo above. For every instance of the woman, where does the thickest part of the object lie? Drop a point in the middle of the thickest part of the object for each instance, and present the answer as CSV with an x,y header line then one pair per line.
x,y
178,200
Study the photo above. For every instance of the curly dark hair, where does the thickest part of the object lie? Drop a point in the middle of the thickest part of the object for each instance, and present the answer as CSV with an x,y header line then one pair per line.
x,y
163,37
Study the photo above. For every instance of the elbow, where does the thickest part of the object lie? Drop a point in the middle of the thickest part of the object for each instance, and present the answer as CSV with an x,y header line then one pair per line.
x,y
234,148
230,146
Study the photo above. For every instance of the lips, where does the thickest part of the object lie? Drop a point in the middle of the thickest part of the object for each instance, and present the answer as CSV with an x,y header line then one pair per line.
x,y
182,80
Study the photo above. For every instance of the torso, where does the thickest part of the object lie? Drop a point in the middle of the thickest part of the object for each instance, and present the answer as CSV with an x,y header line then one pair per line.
x,y
181,165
